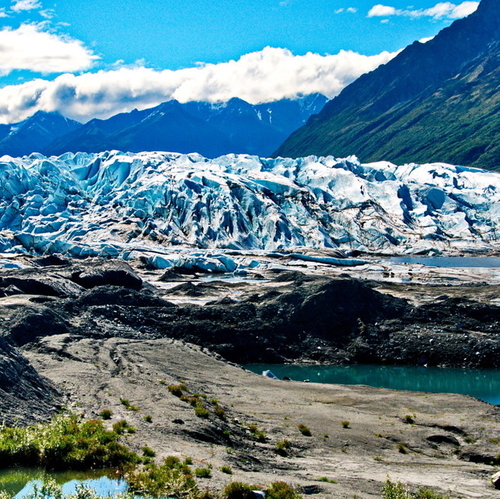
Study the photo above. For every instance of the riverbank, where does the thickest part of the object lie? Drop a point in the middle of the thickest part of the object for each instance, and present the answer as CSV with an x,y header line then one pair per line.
x,y
90,344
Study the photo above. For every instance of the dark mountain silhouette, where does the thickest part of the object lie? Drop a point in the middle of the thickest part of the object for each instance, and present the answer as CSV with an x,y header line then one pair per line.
x,y
435,101
209,129
34,133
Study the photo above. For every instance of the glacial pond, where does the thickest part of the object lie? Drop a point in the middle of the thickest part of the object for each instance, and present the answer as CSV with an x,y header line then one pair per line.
x,y
449,261
19,482
483,384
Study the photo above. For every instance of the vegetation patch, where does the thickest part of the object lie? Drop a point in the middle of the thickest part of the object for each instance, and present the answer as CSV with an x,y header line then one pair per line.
x,y
396,490
304,430
170,479
282,490
283,446
259,435
65,443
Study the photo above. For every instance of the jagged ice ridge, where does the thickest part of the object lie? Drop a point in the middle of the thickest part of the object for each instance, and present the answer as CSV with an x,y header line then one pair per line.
x,y
153,204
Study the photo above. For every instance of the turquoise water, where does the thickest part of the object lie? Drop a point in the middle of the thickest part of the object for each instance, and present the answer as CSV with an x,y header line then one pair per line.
x,y
483,384
450,261
21,481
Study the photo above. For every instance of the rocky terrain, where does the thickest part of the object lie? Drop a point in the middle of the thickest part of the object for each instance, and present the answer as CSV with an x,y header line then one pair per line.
x,y
90,334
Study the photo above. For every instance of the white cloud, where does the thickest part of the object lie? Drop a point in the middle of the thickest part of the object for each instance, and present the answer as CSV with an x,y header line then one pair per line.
x,y
450,11
267,75
3,13
23,5
443,10
350,10
381,11
29,47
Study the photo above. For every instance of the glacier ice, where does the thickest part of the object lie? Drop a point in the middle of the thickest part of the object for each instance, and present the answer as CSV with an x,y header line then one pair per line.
x,y
156,204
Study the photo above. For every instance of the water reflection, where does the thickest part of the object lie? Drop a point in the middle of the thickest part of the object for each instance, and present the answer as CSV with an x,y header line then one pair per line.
x,y
19,482
483,384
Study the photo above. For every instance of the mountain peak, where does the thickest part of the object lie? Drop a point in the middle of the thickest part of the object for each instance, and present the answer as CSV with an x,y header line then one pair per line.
x,y
433,102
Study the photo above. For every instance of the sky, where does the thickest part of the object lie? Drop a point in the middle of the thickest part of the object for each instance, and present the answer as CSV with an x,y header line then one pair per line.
x,y
96,58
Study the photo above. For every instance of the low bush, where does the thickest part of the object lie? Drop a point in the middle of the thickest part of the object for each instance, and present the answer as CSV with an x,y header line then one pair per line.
x,y
177,390
67,442
283,446
282,490
304,430
106,414
166,480
238,490
201,411
202,473
397,490
121,427
148,451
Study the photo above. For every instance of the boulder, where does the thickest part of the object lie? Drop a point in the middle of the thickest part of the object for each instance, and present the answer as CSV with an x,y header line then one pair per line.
x,y
102,273
43,285
495,480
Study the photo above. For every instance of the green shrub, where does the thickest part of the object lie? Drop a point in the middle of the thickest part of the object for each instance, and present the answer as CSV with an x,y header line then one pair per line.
x,y
238,490
397,490
283,446
121,427
304,430
345,424
326,480
66,442
106,414
259,435
163,481
202,472
220,412
281,490
393,490
200,410
172,462
227,470
177,390
126,403
148,451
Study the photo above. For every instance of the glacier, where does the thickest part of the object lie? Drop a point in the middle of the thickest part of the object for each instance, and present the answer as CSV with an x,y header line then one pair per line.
x,y
157,205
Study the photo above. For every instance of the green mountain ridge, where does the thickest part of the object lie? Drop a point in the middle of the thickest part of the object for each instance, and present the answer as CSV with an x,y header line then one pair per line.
x,y
434,102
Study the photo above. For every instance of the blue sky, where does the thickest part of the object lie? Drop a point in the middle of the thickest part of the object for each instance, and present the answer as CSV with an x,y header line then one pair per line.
x,y
91,58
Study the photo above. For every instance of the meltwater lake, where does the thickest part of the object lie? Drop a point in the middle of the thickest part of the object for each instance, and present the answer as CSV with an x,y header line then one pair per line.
x,y
449,261
483,384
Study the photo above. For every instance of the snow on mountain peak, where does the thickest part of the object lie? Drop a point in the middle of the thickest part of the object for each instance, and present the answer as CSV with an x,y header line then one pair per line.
x,y
115,204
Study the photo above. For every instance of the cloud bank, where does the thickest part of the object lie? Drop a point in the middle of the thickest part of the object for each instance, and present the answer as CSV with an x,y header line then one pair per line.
x,y
29,47
443,10
24,5
264,76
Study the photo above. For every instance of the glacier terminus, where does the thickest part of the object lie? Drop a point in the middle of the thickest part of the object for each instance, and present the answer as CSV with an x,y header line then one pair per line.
x,y
155,204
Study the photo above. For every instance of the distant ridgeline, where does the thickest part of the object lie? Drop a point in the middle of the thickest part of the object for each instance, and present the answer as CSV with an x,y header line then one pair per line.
x,y
435,101
208,129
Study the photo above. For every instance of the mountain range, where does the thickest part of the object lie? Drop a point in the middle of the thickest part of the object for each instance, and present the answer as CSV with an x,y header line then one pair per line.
x,y
435,101
34,134
208,129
